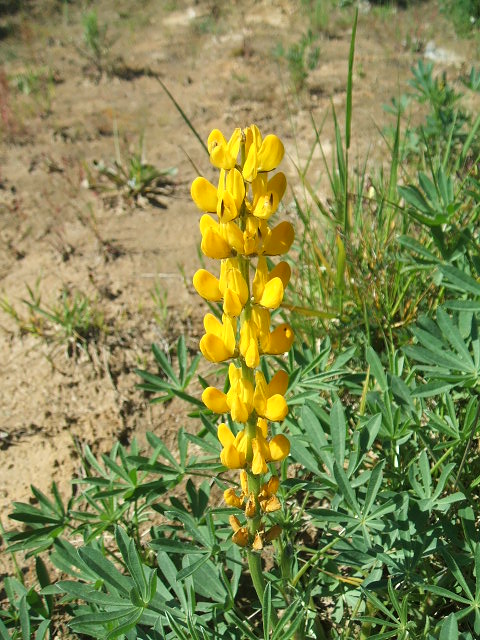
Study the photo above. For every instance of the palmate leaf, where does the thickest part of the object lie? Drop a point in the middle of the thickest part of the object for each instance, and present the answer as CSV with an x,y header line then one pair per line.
x,y
447,352
168,383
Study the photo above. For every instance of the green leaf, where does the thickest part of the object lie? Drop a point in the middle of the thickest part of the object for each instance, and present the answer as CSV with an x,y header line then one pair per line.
x,y
105,569
373,487
24,618
376,368
338,430
191,568
345,488
449,629
42,630
460,280
126,625
294,611
4,635
267,611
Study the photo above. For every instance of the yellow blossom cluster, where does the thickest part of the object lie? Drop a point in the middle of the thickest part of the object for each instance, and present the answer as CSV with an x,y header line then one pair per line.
x,y
240,236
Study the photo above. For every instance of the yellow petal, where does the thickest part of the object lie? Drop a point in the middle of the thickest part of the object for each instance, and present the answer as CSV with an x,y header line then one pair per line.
x,y
229,329
225,435
250,507
233,236
240,537
262,427
214,349
226,208
272,485
258,462
257,543
214,246
236,282
204,195
215,139
207,285
260,278
215,400
280,340
276,408
270,154
234,374
281,270
266,206
278,184
248,334
236,186
280,239
252,355
231,303
244,481
267,195
232,499
234,523
272,294
223,155
242,443
272,504
233,144
249,170
231,458
278,384
212,324
279,447
260,395
261,319
238,410
207,222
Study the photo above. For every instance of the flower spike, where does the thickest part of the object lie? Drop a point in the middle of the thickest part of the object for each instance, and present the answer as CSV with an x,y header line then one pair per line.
x,y
247,289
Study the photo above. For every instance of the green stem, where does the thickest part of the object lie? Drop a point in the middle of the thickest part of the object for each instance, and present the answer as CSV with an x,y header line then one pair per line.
x,y
256,572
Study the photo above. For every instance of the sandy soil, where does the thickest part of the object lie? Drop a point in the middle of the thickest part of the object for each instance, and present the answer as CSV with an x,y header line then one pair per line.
x,y
57,234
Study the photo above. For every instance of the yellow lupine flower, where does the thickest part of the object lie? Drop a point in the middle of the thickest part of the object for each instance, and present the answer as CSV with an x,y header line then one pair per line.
x,y
232,499
248,344
240,395
223,154
207,285
250,507
260,456
233,236
267,496
272,406
215,400
279,340
213,245
279,447
230,196
261,155
240,537
235,291
218,344
279,240
230,456
238,401
204,194
267,194
278,383
267,289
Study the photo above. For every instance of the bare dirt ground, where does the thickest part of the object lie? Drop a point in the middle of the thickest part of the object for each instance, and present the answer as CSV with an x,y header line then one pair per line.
x,y
56,234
